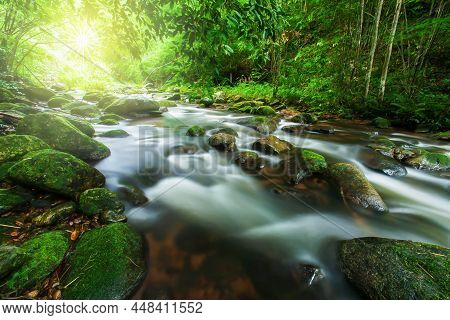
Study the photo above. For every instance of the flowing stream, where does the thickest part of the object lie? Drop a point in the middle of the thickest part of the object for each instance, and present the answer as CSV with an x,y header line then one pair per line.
x,y
216,232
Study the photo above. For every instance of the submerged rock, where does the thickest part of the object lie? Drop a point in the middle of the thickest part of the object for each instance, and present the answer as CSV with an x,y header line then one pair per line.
x,y
264,125
13,198
114,271
58,102
223,142
381,123
272,145
196,131
396,269
57,172
295,129
355,188
45,252
133,195
103,202
13,147
61,134
11,258
249,161
387,165
184,149
55,215
118,133
130,106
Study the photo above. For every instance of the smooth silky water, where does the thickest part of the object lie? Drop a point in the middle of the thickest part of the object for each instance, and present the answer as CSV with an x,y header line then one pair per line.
x,y
216,232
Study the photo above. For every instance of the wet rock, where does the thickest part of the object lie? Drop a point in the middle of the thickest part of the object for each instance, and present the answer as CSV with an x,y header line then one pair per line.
x,y
109,122
381,123
167,103
383,145
253,107
133,195
93,96
22,108
304,118
249,161
45,252
196,131
295,129
83,126
111,116
41,94
13,198
106,101
74,104
306,275
383,164
174,97
223,142
206,102
58,102
433,161
119,251
55,215
130,106
324,129
85,111
62,135
6,95
396,269
118,133
272,145
264,125
229,131
56,172
303,164
445,136
13,147
103,202
184,149
355,188
11,258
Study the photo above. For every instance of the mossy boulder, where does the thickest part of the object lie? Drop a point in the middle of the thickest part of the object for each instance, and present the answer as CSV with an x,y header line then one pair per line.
x,y
111,116
272,145
303,164
4,167
206,102
442,136
133,195
304,118
227,131
174,97
119,133
167,103
253,107
6,95
74,104
382,163
109,122
62,135
247,104
107,263
13,147
381,123
223,142
57,102
11,258
83,126
103,202
396,269
55,215
196,131
130,106
93,96
264,125
22,108
249,161
85,111
13,198
45,252
355,188
40,94
383,145
56,172
433,161
106,101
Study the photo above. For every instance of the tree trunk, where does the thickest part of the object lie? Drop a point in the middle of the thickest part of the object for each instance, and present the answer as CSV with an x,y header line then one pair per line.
x,y
373,48
389,51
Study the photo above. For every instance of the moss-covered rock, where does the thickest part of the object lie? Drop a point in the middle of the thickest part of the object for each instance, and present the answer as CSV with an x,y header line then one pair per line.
x,y
381,123
55,215
432,161
57,102
106,101
383,145
206,102
103,202
36,93
22,108
196,131
133,195
111,116
442,136
167,103
249,161
227,131
304,118
6,95
12,198
85,111
62,135
83,126
118,133
264,125
223,142
57,172
174,97
11,258
4,167
272,145
355,188
109,122
382,163
253,107
395,269
107,263
74,104
45,252
93,96
130,106
13,147
303,164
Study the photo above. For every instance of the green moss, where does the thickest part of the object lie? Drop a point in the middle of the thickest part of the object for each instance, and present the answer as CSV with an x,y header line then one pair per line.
x,y
395,269
196,131
11,258
264,125
223,142
253,107
315,162
57,102
249,161
433,161
93,96
85,111
62,135
107,263
83,126
45,253
111,116
55,215
103,202
11,199
272,145
74,104
166,103
442,135
57,172
131,106
36,93
106,101
119,133
304,118
109,122
4,231
381,123
13,147
4,167
6,95
22,108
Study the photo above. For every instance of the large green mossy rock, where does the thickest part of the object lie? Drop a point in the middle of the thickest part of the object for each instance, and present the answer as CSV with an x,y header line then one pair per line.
x,y
85,111
36,93
111,116
22,108
432,161
93,96
303,164
74,104
131,106
381,123
13,147
12,198
55,215
6,95
118,133
253,107
83,126
4,167
304,118
58,102
106,101
272,145
56,172
44,254
382,163
223,142
62,135
103,202
249,161
196,131
264,125
11,258
395,269
107,263
167,103
355,188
